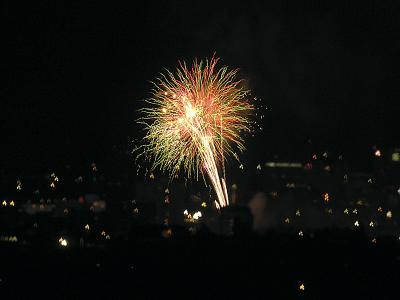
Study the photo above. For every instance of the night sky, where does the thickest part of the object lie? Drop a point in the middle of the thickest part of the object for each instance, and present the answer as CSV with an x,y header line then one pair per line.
x,y
74,73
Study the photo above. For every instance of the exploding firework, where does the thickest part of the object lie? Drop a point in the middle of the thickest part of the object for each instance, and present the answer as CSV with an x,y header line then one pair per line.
x,y
195,119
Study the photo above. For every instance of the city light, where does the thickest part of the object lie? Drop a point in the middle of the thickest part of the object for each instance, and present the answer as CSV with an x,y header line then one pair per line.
x,y
63,242
19,185
10,239
93,167
166,233
326,197
283,165
197,215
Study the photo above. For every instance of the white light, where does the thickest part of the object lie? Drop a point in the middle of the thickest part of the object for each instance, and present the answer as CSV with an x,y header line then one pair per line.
x,y
197,215
185,212
63,242
190,111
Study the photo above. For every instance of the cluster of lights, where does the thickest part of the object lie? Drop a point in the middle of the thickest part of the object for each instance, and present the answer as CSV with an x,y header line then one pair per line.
x,y
5,203
105,235
19,185
326,197
191,218
10,239
53,180
197,215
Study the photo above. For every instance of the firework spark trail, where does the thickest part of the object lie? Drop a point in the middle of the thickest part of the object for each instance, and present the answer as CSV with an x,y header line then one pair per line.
x,y
196,118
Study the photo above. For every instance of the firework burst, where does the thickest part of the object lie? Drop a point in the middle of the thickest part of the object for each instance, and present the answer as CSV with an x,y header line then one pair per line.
x,y
195,119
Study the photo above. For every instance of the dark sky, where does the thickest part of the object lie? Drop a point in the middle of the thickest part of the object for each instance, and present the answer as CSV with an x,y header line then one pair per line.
x,y
74,72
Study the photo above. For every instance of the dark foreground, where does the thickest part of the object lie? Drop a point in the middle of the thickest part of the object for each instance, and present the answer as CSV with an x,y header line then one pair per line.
x,y
330,264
